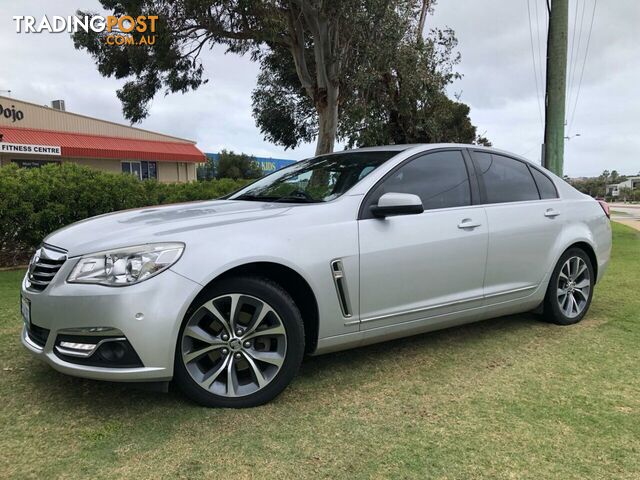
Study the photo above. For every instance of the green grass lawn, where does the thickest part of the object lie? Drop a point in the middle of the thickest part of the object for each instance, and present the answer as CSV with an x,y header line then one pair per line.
x,y
505,398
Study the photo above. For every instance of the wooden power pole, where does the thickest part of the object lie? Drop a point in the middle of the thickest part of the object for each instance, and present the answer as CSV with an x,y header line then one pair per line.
x,y
556,86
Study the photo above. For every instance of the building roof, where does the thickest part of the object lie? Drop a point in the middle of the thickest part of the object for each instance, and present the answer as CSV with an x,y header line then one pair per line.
x,y
67,121
98,146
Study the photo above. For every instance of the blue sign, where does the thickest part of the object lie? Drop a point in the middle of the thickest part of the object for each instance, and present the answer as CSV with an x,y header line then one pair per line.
x,y
268,165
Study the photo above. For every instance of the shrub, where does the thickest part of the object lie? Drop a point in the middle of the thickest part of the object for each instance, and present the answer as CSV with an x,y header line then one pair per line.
x,y
234,165
35,202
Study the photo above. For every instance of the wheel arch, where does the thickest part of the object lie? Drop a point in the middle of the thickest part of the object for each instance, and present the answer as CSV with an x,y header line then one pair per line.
x,y
576,235
589,250
292,282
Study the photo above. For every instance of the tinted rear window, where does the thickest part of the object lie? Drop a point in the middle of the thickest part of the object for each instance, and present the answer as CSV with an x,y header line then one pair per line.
x,y
505,179
545,186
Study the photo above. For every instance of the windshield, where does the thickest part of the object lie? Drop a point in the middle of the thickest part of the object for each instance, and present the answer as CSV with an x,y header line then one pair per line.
x,y
315,180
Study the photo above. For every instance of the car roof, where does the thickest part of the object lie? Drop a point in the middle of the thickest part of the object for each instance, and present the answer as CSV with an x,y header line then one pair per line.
x,y
382,148
432,146
424,147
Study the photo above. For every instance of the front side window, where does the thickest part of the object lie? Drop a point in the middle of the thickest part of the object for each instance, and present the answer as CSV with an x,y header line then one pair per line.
x,y
440,179
505,179
315,180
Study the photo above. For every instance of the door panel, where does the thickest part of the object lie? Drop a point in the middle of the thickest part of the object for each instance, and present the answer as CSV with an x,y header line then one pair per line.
x,y
522,227
520,250
418,266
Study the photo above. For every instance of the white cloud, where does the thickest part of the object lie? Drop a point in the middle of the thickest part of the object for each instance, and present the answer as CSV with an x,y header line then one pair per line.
x,y
498,83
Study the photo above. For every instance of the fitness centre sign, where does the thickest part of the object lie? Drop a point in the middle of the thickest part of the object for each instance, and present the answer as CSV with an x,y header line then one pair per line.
x,y
30,149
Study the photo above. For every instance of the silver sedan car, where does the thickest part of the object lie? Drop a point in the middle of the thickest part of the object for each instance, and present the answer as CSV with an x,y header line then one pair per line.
x,y
225,297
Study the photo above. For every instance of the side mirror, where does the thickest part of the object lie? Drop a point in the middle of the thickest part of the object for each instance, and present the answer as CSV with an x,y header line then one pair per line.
x,y
397,204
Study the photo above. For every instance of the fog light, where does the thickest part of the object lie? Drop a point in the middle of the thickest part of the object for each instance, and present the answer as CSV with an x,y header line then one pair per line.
x,y
80,347
97,351
112,351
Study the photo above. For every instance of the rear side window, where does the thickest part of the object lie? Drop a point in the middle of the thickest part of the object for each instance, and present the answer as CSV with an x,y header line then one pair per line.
x,y
440,179
505,179
545,186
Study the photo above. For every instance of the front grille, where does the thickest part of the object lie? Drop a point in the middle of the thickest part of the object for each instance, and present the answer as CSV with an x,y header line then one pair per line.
x,y
43,267
38,335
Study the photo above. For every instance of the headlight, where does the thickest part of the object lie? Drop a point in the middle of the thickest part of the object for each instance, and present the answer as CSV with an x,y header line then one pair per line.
x,y
126,266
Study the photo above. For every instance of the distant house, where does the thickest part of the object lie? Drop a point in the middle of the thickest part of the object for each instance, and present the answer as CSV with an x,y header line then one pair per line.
x,y
631,182
268,165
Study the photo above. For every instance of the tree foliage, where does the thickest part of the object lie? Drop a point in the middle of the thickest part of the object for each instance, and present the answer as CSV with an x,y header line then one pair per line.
x,y
395,95
405,99
207,170
359,70
316,34
237,166
597,186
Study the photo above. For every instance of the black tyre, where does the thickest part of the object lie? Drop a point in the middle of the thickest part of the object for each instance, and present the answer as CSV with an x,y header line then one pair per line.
x,y
570,288
240,344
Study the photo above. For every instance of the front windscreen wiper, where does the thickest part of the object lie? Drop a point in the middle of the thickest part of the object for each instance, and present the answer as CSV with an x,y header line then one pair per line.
x,y
256,198
266,198
295,200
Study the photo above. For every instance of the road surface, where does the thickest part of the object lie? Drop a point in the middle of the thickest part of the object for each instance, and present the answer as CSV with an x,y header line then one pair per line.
x,y
626,213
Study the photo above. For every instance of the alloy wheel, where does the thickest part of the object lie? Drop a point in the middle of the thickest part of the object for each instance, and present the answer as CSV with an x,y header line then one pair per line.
x,y
234,345
574,287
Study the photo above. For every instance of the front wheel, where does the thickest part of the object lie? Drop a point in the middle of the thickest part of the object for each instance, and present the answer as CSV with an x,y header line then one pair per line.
x,y
570,289
241,345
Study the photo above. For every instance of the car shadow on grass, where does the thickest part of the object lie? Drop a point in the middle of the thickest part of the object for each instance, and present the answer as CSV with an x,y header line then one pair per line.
x,y
449,347
453,345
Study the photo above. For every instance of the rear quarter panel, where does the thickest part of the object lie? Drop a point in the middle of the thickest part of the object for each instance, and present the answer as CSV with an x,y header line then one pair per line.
x,y
586,222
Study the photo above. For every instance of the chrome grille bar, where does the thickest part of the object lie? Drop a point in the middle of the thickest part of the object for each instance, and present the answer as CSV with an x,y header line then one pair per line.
x,y
43,267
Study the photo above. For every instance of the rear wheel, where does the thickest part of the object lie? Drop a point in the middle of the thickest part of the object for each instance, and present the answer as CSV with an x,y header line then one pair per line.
x,y
241,345
570,289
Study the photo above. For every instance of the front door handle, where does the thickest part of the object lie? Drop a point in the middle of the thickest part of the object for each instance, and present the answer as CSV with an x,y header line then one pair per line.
x,y
468,223
551,213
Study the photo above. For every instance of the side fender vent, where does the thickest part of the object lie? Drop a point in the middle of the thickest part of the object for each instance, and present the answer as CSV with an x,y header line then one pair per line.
x,y
341,287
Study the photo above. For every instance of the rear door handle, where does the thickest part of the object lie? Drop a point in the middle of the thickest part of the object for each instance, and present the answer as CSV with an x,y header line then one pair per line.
x,y
468,223
551,213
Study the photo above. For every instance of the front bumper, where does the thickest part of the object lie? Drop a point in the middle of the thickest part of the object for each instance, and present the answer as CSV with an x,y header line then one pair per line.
x,y
148,314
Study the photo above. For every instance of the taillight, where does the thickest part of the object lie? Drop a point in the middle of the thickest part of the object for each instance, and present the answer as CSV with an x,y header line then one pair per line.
x,y
605,207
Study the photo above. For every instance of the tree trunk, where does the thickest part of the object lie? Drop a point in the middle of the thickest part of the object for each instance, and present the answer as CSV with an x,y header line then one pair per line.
x,y
323,90
327,109
423,16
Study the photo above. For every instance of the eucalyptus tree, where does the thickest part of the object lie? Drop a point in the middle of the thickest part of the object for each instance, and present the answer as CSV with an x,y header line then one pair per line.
x,y
325,63
320,37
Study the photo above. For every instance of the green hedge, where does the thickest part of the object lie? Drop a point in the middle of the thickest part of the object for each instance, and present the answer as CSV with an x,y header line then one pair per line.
x,y
35,202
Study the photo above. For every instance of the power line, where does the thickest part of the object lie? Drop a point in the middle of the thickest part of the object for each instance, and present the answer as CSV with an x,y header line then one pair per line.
x,y
528,151
535,3
573,46
574,65
533,58
584,62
